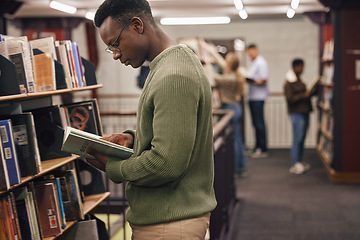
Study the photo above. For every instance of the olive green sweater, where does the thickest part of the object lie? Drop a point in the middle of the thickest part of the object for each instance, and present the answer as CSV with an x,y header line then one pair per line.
x,y
170,175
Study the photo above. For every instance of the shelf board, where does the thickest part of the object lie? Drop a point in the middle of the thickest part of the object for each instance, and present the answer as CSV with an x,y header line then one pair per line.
x,y
90,202
46,166
47,93
337,177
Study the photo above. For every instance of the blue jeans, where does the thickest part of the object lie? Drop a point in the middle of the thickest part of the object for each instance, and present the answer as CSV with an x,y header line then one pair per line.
x,y
257,116
239,152
300,124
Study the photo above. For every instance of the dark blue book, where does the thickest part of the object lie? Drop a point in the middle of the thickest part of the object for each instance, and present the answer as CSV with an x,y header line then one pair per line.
x,y
4,177
26,143
8,144
21,196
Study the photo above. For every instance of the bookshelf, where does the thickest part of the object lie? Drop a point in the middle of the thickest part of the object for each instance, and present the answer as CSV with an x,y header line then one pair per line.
x,y
90,202
338,122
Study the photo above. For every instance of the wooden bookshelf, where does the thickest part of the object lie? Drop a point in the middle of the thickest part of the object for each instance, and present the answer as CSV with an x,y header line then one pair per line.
x,y
340,152
90,202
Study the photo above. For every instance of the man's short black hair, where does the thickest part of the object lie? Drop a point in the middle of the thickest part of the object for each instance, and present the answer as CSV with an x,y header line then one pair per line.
x,y
123,10
252,45
297,62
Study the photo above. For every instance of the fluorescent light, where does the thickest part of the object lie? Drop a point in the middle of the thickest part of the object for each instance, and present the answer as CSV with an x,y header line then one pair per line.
x,y
238,4
295,4
90,15
194,20
243,14
63,7
290,13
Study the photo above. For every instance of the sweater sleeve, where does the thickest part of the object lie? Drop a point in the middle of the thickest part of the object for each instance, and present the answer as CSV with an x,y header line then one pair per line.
x,y
176,100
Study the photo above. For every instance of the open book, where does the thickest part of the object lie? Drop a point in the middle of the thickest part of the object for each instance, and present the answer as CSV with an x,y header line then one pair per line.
x,y
313,85
76,142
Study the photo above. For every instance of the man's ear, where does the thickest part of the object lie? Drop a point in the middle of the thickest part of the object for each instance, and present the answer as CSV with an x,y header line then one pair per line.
x,y
138,24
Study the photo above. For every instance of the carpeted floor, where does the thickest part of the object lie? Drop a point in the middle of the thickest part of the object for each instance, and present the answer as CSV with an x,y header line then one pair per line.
x,y
276,205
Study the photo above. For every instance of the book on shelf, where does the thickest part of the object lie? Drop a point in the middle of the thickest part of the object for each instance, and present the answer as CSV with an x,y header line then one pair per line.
x,y
26,143
85,115
46,45
11,199
25,207
21,54
44,71
71,194
8,216
16,55
8,145
4,177
48,208
76,142
63,58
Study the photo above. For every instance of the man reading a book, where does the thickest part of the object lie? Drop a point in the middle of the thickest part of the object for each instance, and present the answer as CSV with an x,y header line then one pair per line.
x,y
298,99
170,175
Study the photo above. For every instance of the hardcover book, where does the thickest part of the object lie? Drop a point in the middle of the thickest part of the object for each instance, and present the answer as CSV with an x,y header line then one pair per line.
x,y
48,209
4,177
26,143
76,142
85,115
8,145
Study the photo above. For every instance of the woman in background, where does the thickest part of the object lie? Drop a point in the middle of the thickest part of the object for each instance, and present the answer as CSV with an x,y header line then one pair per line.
x,y
230,84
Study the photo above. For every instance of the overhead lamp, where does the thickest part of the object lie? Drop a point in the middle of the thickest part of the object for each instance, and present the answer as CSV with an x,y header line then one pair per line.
x,y
295,4
63,7
243,14
194,20
238,4
290,13
90,15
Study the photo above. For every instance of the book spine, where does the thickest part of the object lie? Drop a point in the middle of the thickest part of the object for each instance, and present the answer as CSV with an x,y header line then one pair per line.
x,y
4,177
16,218
61,204
9,151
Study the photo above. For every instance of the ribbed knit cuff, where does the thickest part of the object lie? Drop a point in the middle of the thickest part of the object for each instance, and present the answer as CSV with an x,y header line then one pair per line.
x,y
113,170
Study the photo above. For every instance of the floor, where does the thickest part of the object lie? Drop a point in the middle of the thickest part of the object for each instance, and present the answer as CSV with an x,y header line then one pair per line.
x,y
276,205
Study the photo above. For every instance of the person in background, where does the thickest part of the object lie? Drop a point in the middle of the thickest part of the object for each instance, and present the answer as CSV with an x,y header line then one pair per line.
x,y
257,78
170,175
298,100
230,84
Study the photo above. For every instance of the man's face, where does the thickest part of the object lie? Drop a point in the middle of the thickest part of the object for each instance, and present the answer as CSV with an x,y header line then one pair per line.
x,y
252,53
299,69
130,47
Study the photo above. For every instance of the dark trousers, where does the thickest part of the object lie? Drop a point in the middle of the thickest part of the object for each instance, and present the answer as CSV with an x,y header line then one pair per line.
x,y
257,116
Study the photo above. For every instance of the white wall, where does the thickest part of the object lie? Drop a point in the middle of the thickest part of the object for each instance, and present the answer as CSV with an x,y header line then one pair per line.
x,y
278,40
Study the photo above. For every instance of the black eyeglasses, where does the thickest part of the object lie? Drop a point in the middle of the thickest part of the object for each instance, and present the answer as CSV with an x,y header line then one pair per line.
x,y
111,49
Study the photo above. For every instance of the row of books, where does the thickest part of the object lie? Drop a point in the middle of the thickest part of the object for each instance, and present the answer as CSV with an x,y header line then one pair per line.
x,y
327,123
42,65
41,208
325,97
326,146
29,138
325,140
